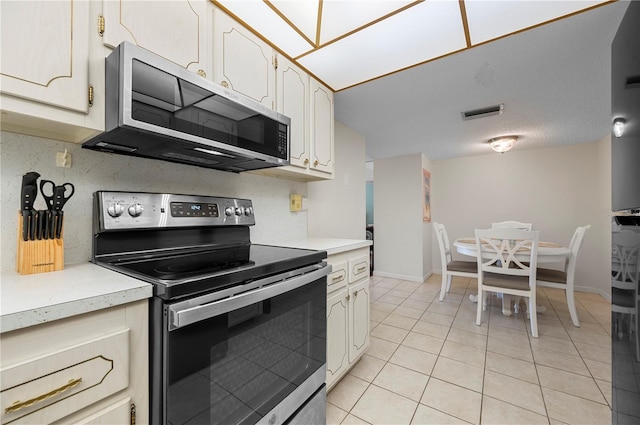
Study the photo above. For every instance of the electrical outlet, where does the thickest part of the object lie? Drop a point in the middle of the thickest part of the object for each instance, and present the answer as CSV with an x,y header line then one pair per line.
x,y
295,203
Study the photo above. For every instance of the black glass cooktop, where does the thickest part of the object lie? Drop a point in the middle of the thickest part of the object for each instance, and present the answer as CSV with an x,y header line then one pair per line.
x,y
185,273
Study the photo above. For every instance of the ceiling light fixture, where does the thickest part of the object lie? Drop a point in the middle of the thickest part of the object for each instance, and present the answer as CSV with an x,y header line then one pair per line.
x,y
618,126
503,144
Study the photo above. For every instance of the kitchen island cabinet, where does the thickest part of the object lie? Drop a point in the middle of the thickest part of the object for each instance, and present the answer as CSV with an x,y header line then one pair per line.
x,y
74,347
348,302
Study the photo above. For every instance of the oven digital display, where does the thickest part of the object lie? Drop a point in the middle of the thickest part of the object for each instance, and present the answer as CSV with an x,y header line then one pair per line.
x,y
193,209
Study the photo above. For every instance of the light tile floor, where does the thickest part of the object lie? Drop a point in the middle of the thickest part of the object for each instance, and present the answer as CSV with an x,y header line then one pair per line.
x,y
429,363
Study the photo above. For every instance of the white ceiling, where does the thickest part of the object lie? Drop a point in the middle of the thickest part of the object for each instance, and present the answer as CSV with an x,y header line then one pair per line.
x,y
404,71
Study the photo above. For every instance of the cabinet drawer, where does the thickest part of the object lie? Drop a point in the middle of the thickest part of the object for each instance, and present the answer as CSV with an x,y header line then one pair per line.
x,y
50,387
358,268
338,277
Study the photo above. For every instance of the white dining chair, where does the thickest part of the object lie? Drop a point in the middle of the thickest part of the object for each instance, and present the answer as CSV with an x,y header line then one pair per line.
x,y
624,282
500,271
511,224
449,266
564,279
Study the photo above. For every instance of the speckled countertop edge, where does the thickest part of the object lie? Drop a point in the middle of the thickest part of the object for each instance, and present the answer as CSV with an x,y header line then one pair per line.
x,y
80,288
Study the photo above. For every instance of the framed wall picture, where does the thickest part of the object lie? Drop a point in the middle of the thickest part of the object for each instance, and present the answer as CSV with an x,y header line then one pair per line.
x,y
426,194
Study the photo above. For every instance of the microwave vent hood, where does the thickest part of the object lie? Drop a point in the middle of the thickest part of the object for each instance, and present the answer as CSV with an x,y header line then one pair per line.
x,y
156,109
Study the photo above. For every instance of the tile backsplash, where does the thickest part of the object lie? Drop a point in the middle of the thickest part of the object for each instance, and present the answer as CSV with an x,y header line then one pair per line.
x,y
92,171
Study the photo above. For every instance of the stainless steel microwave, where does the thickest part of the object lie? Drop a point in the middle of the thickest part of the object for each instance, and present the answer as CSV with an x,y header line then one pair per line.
x,y
157,109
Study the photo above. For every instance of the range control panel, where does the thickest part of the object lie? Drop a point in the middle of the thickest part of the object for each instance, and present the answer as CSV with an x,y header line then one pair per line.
x,y
142,210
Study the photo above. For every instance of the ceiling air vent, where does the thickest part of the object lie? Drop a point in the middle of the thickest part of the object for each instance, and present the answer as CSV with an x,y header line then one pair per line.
x,y
482,112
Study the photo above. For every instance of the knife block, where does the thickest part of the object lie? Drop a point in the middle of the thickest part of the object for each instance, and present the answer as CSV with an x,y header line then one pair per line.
x,y
39,256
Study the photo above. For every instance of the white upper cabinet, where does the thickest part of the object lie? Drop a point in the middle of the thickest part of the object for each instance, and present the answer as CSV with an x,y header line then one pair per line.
x,y
242,62
293,96
174,30
310,107
322,138
44,68
246,64
45,50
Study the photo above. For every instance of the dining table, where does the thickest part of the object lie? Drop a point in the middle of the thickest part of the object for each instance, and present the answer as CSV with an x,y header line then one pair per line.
x,y
548,252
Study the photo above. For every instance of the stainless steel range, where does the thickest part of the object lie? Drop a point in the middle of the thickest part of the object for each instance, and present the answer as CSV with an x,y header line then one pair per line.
x,y
237,330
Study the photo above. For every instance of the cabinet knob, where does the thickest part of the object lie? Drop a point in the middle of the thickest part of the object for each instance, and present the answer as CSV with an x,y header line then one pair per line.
x,y
224,84
315,163
202,73
306,161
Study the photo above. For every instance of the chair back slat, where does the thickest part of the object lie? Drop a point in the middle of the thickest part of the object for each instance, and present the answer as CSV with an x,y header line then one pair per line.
x,y
443,242
501,247
512,225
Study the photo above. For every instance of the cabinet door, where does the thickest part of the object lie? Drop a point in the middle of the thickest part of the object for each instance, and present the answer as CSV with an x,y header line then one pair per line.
x,y
293,101
337,345
359,299
242,62
174,29
117,413
45,51
322,153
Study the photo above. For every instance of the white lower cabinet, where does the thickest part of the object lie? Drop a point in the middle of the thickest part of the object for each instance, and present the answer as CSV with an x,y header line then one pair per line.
x,y
86,369
348,304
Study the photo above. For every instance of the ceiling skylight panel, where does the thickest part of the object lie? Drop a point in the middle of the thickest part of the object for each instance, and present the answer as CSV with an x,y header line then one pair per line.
x,y
492,19
388,47
340,17
302,14
261,18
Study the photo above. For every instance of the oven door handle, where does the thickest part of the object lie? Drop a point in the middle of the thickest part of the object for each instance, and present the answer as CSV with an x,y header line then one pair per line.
x,y
181,316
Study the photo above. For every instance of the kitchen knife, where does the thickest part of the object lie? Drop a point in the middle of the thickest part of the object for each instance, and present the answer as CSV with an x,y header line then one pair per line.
x,y
41,228
58,202
28,195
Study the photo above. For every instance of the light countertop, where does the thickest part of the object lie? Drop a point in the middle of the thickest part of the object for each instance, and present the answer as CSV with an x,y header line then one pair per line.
x,y
332,246
29,300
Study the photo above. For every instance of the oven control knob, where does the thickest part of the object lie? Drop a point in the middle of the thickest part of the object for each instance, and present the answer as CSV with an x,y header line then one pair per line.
x,y
229,211
115,210
239,210
135,209
248,211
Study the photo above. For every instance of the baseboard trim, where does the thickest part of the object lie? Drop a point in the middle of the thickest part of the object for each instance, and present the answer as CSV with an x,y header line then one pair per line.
x,y
398,276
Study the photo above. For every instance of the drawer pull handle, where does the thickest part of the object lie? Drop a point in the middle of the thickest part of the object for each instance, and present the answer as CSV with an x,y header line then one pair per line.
x,y
337,278
18,405
361,268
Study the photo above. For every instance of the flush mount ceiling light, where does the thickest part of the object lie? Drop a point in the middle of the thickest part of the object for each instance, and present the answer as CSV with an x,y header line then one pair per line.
x,y
503,144
618,127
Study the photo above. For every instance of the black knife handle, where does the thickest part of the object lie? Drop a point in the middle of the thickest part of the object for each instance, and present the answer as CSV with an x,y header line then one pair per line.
x,y
59,224
40,220
33,223
25,225
51,233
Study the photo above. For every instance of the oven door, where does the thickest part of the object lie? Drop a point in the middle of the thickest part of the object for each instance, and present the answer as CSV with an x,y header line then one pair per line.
x,y
255,356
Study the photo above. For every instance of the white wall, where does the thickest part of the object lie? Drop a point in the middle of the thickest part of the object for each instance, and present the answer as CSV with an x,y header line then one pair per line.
x,y
337,208
92,171
399,235
556,189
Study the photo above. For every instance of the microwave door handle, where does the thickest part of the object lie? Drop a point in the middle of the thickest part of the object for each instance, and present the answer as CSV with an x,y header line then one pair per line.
x,y
181,317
